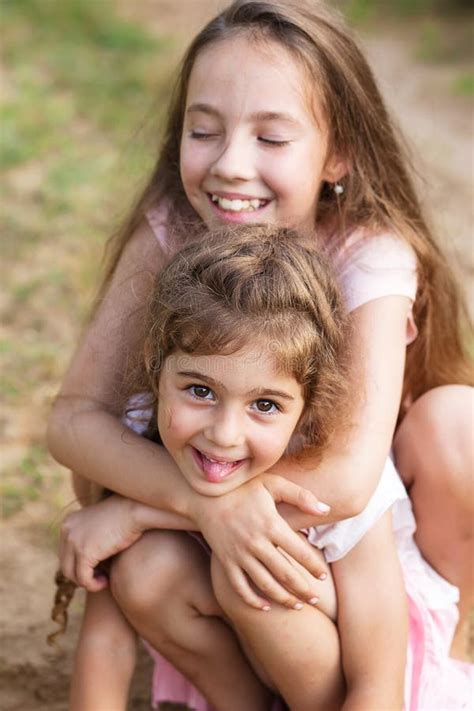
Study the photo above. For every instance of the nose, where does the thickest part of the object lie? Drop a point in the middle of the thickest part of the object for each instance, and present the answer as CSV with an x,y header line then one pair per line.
x,y
226,429
235,160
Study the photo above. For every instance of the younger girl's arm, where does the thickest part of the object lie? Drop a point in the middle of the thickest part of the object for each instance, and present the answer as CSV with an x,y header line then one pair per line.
x,y
372,621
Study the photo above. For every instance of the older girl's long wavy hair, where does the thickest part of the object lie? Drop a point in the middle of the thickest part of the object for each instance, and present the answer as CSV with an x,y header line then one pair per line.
x,y
379,192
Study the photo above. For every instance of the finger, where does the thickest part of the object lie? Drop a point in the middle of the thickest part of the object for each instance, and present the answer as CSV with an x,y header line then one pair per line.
x,y
291,576
67,563
84,576
67,556
283,490
242,587
303,552
61,553
266,583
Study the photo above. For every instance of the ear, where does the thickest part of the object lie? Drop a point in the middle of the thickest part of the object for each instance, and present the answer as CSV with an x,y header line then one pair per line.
x,y
336,168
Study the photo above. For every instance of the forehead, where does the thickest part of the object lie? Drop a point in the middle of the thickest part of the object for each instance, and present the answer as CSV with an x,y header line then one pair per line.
x,y
252,367
251,75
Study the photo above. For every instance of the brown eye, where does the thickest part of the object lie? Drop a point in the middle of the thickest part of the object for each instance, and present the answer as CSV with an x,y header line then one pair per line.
x,y
266,406
201,392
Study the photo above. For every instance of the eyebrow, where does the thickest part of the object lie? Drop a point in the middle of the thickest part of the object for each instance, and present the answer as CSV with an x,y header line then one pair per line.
x,y
257,392
257,116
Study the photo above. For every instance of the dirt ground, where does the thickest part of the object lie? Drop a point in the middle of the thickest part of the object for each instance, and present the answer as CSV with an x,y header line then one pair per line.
x,y
438,123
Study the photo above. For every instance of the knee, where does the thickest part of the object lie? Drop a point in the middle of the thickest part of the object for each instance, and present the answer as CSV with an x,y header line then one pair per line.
x,y
441,415
145,574
435,441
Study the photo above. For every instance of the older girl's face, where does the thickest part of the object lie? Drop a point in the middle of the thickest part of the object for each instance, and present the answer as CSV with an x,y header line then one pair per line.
x,y
252,148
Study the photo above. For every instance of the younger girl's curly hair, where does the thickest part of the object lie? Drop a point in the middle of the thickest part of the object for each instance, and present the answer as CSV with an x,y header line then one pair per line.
x,y
255,285
238,286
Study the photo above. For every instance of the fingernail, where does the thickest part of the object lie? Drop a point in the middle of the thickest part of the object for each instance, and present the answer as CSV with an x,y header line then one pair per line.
x,y
266,608
298,606
322,508
314,601
323,576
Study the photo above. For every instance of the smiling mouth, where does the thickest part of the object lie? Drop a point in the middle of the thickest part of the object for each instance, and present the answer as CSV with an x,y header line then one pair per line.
x,y
239,204
215,470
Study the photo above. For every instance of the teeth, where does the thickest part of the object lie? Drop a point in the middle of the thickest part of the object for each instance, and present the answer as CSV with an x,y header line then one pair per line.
x,y
216,461
237,205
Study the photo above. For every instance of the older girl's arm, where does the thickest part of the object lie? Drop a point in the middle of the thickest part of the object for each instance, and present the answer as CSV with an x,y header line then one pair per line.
x,y
355,459
84,430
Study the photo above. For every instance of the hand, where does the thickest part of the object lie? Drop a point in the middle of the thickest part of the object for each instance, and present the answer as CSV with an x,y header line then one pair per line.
x,y
252,541
92,535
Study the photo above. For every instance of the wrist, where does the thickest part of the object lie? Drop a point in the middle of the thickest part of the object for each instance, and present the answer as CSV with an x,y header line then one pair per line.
x,y
196,508
142,516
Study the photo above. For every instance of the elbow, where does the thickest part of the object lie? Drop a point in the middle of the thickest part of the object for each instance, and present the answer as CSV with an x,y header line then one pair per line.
x,y
352,504
357,491
59,429
55,429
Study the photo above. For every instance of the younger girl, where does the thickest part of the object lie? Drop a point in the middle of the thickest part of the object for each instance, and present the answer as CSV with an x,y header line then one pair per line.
x,y
277,119
245,359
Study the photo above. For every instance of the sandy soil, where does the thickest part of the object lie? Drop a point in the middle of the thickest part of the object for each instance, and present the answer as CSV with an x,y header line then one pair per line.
x,y
32,676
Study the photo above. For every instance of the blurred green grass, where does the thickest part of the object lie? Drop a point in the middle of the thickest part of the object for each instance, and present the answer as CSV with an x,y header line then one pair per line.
x,y
362,11
77,80
16,490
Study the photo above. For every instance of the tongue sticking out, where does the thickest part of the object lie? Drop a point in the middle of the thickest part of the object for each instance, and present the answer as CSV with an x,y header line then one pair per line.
x,y
216,471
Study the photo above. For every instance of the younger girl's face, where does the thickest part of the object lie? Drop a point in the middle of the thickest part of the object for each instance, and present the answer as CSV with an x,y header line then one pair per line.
x,y
252,149
226,419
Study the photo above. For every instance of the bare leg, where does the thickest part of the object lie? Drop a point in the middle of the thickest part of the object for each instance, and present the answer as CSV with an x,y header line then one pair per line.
x,y
434,455
105,657
296,652
167,572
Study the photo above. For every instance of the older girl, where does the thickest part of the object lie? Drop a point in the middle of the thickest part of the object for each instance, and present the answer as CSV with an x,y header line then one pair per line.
x,y
277,119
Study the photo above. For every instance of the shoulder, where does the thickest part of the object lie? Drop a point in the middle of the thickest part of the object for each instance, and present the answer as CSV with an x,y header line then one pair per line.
x,y
372,266
377,250
156,218
142,251
140,259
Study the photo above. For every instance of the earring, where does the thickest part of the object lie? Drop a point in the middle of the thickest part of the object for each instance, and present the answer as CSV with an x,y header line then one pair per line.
x,y
338,188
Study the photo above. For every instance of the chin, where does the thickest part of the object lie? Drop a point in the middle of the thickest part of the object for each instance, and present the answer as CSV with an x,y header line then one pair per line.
x,y
212,489
206,489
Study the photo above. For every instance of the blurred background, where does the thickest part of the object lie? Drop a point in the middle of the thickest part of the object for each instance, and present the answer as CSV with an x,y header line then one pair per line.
x,y
85,85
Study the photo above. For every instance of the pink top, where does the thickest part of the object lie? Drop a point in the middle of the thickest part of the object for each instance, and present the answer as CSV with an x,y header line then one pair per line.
x,y
368,267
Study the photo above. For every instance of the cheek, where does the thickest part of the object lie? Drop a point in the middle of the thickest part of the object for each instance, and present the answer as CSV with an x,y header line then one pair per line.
x,y
173,425
296,181
187,163
193,162
272,443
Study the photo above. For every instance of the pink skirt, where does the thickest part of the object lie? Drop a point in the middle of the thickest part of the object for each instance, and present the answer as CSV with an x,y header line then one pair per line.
x,y
434,681
169,685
